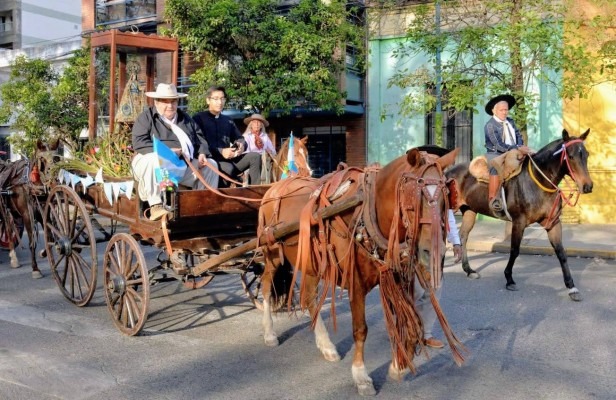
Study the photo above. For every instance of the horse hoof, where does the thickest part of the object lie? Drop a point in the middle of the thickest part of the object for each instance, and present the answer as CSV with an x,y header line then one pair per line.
x,y
473,275
271,341
366,389
512,287
332,356
43,253
14,266
395,374
575,295
37,275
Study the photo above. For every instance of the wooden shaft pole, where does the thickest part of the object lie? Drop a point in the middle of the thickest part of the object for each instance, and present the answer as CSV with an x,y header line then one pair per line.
x,y
278,233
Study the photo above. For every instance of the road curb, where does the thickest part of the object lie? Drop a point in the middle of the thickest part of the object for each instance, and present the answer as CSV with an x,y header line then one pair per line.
x,y
502,247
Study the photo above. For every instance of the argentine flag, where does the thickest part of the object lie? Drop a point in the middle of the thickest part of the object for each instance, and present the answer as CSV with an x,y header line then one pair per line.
x,y
291,167
169,161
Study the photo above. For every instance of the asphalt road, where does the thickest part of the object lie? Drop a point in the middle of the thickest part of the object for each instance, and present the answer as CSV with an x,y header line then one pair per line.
x,y
207,343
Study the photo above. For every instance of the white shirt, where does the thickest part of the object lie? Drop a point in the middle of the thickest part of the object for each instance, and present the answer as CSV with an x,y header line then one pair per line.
x,y
251,147
510,135
453,236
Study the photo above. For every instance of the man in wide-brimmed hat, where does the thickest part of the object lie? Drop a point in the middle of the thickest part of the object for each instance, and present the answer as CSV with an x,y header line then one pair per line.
x,y
181,134
501,135
226,142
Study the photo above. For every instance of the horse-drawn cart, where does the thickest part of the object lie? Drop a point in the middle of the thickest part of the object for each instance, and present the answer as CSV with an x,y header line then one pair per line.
x,y
203,226
209,232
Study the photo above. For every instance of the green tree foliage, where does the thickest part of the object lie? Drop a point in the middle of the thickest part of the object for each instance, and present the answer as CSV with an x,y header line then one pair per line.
x,y
267,57
43,105
503,46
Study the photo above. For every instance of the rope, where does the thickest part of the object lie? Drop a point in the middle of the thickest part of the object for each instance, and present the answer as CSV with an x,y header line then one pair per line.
x,y
197,173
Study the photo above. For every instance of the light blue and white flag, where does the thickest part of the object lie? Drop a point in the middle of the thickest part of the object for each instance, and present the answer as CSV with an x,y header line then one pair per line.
x,y
168,161
291,167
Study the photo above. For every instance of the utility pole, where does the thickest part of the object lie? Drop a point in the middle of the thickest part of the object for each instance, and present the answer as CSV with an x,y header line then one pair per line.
x,y
438,116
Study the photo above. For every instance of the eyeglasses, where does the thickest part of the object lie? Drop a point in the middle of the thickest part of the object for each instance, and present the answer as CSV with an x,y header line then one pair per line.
x,y
221,99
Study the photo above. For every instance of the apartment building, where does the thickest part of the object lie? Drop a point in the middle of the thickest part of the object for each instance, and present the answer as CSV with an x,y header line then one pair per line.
x,y
49,30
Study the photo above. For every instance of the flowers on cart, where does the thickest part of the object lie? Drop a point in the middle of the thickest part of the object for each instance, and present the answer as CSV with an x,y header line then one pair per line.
x,y
166,184
111,153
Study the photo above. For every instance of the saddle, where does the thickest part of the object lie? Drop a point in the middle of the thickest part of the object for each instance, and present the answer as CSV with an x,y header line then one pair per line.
x,y
13,173
507,165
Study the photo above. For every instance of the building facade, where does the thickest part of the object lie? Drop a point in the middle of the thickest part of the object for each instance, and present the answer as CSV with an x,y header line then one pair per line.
x,y
331,138
389,133
49,30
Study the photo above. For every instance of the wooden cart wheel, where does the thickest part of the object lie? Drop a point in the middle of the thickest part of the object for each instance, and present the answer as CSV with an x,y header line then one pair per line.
x,y
70,245
126,283
251,281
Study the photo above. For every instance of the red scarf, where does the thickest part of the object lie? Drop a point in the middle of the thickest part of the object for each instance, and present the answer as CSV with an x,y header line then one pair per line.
x,y
258,141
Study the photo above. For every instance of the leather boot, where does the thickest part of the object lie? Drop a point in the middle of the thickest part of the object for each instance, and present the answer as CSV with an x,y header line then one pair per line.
x,y
494,199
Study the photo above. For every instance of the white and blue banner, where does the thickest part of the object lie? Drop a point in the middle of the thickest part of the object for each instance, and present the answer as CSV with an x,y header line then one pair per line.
x,y
169,162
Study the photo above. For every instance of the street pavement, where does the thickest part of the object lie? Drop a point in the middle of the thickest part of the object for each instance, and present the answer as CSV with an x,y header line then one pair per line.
x,y
207,344
579,240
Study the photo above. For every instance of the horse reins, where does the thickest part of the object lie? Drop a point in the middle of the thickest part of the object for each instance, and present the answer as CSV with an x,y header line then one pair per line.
x,y
565,159
572,191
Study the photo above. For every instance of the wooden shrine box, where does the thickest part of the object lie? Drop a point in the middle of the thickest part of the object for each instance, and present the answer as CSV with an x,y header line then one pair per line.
x,y
121,44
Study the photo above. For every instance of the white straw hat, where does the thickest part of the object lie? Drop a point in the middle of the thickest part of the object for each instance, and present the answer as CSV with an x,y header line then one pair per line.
x,y
166,91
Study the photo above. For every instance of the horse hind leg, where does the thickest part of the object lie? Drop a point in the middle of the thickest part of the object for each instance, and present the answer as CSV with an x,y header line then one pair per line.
x,y
29,223
468,222
517,232
13,257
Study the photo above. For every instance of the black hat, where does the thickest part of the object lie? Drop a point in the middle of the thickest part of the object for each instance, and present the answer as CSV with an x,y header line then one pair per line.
x,y
433,149
503,97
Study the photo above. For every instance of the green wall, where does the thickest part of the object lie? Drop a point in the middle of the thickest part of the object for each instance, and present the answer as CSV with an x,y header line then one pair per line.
x,y
391,136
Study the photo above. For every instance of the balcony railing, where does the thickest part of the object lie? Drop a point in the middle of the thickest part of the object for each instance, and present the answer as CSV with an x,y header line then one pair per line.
x,y
6,27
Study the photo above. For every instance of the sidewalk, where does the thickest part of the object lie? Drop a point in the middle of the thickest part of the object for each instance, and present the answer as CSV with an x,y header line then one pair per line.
x,y
579,240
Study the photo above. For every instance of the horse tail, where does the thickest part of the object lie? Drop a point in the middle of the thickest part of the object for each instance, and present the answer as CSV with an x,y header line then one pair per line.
x,y
282,284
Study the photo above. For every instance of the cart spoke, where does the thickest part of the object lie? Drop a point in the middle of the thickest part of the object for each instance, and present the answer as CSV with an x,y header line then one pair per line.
x,y
127,289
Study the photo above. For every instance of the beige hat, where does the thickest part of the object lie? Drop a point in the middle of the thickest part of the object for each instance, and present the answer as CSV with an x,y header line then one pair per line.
x,y
166,91
257,117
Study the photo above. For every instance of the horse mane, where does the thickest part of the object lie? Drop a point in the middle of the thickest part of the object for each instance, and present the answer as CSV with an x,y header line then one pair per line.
x,y
543,155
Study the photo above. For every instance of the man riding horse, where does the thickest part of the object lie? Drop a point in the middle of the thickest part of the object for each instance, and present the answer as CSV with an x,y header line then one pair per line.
x,y
501,135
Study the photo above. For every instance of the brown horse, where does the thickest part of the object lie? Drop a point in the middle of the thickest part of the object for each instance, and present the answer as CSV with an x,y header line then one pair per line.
x,y
15,206
531,196
301,158
359,229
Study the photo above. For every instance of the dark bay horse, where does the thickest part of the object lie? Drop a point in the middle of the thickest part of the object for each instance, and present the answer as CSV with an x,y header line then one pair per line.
x,y
16,205
532,196
359,229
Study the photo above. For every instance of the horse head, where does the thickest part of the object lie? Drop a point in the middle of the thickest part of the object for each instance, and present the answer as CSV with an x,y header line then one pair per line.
x,y
300,155
419,213
575,156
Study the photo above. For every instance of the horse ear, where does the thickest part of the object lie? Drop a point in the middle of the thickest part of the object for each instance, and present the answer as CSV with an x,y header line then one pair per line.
x,y
304,140
565,135
413,157
448,158
585,134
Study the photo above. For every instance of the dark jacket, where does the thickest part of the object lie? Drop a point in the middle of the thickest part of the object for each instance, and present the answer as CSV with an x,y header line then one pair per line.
x,y
220,132
149,123
494,136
